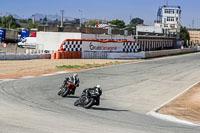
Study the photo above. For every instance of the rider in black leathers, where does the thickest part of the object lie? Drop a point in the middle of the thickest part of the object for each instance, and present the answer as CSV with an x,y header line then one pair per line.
x,y
87,90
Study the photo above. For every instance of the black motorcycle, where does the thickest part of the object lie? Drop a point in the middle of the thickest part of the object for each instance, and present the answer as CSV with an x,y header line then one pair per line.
x,y
67,88
89,98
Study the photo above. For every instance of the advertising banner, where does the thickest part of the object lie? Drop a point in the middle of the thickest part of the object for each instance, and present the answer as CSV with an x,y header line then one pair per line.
x,y
98,46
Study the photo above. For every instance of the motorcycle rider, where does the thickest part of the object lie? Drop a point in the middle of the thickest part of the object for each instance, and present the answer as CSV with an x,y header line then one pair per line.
x,y
87,90
73,79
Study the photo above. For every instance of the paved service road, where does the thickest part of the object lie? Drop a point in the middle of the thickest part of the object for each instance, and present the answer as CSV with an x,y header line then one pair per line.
x,y
129,92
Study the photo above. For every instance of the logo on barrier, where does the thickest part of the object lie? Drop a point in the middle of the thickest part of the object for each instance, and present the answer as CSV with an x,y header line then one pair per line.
x,y
92,47
4,45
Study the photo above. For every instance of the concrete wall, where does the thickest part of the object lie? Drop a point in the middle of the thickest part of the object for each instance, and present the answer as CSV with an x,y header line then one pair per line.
x,y
12,48
4,56
198,48
151,54
139,55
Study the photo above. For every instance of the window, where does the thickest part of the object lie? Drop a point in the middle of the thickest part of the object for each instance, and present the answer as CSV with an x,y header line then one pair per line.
x,y
166,25
172,26
169,11
170,18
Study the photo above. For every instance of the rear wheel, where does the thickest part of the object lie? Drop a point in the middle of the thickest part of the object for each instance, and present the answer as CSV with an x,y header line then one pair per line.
x,y
88,103
66,91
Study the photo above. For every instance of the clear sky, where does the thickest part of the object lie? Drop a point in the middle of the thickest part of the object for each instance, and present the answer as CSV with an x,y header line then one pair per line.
x,y
103,9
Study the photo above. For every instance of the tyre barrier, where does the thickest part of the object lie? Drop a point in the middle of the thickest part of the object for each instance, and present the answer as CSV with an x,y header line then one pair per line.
x,y
66,55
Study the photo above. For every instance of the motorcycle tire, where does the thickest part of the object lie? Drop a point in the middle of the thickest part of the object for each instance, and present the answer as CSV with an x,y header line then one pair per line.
x,y
59,92
64,94
89,104
76,103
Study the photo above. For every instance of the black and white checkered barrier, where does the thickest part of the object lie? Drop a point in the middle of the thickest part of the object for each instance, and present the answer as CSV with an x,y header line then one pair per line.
x,y
131,47
72,46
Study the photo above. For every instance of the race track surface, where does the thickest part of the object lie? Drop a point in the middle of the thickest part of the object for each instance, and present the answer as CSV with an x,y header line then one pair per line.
x,y
129,91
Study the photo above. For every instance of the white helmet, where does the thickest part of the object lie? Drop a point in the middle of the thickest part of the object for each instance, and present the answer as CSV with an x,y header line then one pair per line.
x,y
98,86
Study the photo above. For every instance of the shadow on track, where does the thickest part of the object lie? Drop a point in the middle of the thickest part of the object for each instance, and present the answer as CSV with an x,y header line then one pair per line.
x,y
106,109
71,97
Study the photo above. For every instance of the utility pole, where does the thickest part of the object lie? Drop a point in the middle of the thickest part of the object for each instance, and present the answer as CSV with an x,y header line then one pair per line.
x,y
33,19
61,21
81,16
193,23
167,3
130,19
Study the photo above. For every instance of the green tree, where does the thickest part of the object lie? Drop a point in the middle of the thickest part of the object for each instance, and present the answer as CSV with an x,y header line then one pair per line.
x,y
9,22
45,18
91,23
184,35
118,23
137,21
131,26
30,25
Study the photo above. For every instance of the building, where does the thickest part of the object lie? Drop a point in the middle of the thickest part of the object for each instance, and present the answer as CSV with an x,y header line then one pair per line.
x,y
194,36
169,18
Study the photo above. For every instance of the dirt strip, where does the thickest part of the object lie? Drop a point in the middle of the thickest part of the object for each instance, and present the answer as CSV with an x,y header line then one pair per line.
x,y
185,107
20,68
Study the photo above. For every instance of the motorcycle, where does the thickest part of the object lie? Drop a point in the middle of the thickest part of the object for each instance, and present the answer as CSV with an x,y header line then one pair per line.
x,y
67,88
89,98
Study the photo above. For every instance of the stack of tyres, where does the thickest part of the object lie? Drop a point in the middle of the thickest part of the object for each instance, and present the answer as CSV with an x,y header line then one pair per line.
x,y
53,56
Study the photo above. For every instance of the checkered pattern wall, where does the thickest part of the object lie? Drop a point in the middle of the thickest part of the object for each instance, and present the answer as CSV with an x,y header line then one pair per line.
x,y
72,46
131,47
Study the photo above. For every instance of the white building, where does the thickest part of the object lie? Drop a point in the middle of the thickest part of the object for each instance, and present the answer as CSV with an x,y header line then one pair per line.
x,y
169,18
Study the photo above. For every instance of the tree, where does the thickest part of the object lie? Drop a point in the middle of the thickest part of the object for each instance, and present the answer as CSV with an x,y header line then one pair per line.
x,y
9,22
131,27
184,35
118,23
137,21
91,23
30,25
45,18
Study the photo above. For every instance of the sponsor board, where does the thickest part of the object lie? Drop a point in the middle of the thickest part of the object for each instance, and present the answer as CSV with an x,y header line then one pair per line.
x,y
98,46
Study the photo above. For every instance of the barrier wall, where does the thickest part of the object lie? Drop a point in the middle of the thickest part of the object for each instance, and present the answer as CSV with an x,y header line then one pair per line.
x,y
140,55
198,48
24,56
95,55
151,54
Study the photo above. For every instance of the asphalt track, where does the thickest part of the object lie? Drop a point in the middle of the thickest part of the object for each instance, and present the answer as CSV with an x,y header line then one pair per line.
x,y
129,91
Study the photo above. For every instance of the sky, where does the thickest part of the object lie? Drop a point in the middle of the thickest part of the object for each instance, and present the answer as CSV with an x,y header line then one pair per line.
x,y
104,9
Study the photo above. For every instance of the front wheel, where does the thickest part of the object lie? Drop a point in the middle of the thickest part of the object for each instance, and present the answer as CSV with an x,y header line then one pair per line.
x,y
88,103
76,103
60,91
66,91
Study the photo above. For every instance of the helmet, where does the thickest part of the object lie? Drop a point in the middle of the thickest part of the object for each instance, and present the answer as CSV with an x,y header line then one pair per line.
x,y
75,75
98,86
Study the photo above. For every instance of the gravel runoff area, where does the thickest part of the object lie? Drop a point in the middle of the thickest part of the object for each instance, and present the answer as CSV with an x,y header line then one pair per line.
x,y
185,107
20,68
